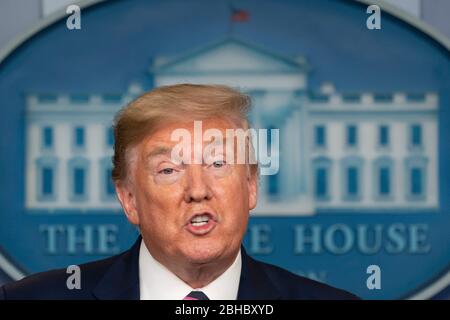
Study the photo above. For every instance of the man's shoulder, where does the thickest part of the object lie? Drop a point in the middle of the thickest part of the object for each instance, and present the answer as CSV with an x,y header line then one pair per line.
x,y
293,286
53,284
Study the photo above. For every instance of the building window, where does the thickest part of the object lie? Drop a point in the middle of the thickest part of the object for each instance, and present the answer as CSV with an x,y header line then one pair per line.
x,y
47,181
78,179
383,178
416,135
320,137
352,181
321,171
108,191
273,185
110,136
321,182
46,178
416,182
352,178
47,137
416,178
352,135
383,136
79,137
384,188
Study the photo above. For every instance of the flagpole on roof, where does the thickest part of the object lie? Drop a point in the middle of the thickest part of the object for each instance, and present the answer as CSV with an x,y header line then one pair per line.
x,y
236,15
230,20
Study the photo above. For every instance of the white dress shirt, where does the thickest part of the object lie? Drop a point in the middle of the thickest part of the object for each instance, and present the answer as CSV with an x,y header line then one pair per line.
x,y
156,282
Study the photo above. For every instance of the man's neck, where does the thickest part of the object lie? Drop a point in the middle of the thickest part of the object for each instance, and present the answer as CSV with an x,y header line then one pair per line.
x,y
196,275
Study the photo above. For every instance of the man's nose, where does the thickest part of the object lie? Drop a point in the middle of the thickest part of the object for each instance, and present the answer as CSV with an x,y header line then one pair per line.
x,y
197,185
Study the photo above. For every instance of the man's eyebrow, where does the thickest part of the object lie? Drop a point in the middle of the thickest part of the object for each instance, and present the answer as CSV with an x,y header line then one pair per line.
x,y
158,151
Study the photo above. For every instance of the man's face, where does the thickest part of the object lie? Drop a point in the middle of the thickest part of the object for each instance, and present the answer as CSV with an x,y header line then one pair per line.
x,y
189,212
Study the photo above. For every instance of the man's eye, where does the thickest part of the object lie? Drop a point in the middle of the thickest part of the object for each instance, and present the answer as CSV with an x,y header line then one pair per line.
x,y
218,164
167,171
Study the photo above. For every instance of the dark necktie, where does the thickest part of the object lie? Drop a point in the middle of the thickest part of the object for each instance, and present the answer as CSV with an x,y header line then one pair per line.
x,y
196,295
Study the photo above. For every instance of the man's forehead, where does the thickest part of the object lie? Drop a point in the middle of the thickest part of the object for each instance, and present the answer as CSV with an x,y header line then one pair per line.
x,y
208,123
155,150
195,136
164,134
158,150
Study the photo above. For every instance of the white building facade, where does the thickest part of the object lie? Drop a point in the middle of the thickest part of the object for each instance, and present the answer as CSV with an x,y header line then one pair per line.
x,y
361,151
69,151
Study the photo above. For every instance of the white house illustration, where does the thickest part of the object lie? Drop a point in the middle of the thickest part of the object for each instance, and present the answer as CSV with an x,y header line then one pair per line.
x,y
364,151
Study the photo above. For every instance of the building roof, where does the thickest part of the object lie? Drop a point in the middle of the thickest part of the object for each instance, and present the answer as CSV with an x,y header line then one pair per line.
x,y
229,55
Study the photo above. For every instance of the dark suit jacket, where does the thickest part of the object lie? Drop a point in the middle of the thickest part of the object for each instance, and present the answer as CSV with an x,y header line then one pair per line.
x,y
118,278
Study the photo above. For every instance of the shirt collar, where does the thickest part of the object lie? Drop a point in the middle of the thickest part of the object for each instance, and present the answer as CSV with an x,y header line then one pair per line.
x,y
156,282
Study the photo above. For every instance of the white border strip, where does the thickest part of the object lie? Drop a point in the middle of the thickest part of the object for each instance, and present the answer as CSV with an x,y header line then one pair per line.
x,y
10,269
432,289
410,19
427,292
41,25
438,285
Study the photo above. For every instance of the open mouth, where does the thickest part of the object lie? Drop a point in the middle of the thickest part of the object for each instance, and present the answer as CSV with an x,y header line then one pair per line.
x,y
201,220
201,223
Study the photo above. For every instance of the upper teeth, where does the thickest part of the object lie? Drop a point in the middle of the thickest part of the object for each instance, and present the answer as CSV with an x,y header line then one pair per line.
x,y
202,218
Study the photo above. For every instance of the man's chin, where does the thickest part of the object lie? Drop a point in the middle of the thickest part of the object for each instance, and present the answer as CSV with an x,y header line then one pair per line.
x,y
203,255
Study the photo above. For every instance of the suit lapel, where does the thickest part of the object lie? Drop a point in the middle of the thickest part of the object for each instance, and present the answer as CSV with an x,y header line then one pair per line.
x,y
254,283
121,280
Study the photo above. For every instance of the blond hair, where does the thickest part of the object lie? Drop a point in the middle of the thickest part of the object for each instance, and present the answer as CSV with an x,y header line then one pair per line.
x,y
167,104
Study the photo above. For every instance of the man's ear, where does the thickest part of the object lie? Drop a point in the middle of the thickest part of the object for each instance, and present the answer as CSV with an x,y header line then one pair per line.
x,y
252,190
127,199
